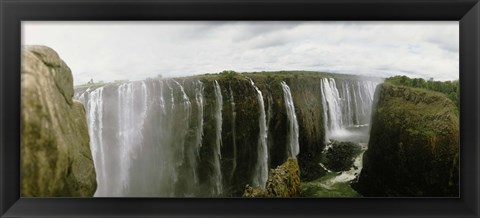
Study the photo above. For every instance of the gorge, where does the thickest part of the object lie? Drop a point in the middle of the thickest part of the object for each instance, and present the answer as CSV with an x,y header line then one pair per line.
x,y
266,134
213,135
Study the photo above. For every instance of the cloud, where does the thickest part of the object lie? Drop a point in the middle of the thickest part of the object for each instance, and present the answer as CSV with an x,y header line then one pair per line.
x,y
247,31
134,50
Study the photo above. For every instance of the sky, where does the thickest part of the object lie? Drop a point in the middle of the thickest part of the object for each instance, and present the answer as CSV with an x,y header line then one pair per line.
x,y
108,51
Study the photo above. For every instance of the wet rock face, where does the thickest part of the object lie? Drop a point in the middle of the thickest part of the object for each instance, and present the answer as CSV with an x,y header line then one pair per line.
x,y
283,181
414,145
308,105
55,155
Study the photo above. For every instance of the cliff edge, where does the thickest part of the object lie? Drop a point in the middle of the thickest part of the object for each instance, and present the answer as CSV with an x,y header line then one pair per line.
x,y
414,145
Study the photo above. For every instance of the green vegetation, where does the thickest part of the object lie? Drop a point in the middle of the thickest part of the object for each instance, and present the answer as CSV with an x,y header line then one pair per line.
x,y
418,107
326,186
283,181
92,84
449,88
269,77
413,146
279,75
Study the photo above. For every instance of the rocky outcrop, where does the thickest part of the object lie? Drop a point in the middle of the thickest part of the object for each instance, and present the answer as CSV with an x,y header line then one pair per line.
x,y
341,155
283,181
55,155
414,145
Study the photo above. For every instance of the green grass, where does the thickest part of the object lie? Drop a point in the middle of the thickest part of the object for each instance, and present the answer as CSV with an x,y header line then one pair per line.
x,y
427,113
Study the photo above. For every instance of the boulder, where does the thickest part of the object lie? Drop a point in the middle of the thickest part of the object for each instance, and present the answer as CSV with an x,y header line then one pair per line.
x,y
283,181
340,156
413,149
56,160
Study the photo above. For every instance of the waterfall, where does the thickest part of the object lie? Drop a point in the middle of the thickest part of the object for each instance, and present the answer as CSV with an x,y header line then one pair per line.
x,y
347,104
234,138
199,100
261,175
183,122
163,137
218,140
292,139
269,118
331,100
95,130
125,105
146,137
199,133
132,108
172,99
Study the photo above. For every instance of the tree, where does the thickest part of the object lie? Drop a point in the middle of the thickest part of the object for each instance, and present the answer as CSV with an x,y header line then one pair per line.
x,y
229,74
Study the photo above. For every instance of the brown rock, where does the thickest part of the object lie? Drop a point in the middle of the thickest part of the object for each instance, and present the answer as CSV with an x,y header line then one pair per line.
x,y
55,155
283,181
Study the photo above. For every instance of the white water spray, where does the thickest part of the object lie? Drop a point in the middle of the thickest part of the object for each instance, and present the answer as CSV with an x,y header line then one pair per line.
x,y
346,104
292,139
234,138
218,140
261,175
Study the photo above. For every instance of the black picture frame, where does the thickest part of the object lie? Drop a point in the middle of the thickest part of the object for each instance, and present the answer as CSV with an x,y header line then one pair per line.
x,y
12,12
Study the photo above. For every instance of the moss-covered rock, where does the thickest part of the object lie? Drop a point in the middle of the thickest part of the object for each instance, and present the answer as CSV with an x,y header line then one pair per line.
x,y
283,181
414,145
328,186
55,155
341,155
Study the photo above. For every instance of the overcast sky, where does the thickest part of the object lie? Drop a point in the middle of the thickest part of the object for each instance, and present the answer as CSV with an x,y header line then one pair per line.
x,y
136,50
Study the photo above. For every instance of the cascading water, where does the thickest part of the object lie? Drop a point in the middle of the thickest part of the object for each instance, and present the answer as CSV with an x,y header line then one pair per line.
x,y
132,108
234,139
95,127
199,134
125,106
163,137
183,123
261,175
331,103
347,104
292,139
347,110
144,148
218,140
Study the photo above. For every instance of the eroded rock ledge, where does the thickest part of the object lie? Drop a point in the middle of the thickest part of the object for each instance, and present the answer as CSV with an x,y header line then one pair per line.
x,y
55,154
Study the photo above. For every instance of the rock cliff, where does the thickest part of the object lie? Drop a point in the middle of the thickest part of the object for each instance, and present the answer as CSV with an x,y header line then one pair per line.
x,y
55,155
283,181
414,145
209,129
